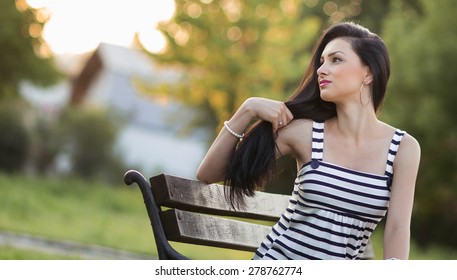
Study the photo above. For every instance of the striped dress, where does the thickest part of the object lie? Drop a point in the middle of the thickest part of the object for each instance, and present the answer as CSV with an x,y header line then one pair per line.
x,y
333,210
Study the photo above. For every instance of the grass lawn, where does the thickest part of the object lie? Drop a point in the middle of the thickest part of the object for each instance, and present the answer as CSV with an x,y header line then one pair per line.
x,y
95,213
11,253
90,213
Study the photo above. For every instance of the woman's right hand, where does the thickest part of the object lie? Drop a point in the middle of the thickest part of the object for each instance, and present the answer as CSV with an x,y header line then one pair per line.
x,y
272,111
214,164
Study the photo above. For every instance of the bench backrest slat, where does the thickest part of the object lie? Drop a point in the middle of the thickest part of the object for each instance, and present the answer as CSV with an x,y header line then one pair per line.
x,y
194,196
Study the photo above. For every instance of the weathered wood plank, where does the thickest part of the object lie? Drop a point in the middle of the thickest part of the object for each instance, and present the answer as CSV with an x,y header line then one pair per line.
x,y
197,228
202,229
195,196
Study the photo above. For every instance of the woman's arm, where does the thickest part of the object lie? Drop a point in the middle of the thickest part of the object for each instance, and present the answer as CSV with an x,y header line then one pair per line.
x,y
397,230
212,168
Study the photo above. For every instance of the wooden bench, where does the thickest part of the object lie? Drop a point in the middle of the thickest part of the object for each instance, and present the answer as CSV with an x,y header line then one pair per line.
x,y
190,211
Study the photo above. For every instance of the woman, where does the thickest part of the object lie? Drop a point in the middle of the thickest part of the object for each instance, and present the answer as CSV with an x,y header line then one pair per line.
x,y
346,157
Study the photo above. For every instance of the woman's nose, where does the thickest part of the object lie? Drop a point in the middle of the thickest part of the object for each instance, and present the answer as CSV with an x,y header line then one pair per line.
x,y
322,70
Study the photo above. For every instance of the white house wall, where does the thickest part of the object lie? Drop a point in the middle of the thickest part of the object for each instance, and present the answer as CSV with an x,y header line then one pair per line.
x,y
154,151
99,91
148,142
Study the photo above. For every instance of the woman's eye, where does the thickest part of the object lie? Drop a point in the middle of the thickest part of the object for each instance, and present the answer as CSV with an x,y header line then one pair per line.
x,y
336,59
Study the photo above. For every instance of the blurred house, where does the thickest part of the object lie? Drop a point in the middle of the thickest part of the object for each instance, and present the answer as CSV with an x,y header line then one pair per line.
x,y
148,141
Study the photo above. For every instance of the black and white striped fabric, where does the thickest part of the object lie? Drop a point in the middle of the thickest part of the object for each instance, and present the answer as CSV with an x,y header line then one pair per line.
x,y
333,210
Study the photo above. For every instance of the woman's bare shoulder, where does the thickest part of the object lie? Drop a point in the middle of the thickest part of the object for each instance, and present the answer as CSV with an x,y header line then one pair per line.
x,y
295,137
302,123
297,126
408,156
409,146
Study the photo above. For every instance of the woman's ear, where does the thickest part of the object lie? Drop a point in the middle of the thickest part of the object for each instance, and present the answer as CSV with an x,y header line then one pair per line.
x,y
368,79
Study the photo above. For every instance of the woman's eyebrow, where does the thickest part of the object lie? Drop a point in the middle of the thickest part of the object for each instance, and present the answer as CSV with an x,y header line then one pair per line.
x,y
335,52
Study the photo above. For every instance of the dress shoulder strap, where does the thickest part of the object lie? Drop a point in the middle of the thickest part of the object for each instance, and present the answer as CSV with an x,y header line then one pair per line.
x,y
318,140
394,144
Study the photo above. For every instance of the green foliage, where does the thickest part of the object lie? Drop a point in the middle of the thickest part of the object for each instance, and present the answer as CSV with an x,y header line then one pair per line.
x,y
21,49
85,136
231,50
14,140
45,145
88,136
422,46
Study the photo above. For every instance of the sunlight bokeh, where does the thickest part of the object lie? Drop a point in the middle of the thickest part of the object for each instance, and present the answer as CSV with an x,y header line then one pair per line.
x,y
78,26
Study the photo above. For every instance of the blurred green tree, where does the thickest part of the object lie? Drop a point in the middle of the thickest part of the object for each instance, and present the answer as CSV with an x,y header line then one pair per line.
x,y
45,145
23,56
23,53
15,139
231,50
87,135
422,44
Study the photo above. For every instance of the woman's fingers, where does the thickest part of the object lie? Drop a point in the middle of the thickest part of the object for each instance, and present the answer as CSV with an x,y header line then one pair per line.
x,y
273,111
282,118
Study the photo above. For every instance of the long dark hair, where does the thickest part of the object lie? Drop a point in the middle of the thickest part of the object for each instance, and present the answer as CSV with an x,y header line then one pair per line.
x,y
253,161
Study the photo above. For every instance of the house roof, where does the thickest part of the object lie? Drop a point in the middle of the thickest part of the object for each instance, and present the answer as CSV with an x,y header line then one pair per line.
x,y
126,61
122,61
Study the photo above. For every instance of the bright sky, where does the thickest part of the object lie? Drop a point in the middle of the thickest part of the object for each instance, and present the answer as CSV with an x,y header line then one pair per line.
x,y
77,26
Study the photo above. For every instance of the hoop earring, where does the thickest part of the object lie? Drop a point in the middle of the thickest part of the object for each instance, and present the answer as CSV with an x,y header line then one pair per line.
x,y
360,96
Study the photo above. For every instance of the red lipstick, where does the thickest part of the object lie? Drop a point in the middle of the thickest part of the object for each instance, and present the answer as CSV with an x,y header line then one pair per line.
x,y
324,83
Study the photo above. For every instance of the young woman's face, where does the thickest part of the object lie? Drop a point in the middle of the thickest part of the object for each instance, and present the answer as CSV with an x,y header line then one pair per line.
x,y
341,75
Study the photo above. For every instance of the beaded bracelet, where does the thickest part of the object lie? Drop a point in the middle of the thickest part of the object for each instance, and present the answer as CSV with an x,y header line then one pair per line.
x,y
240,136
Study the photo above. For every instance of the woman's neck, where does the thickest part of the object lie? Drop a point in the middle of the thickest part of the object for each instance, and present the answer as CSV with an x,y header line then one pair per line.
x,y
356,122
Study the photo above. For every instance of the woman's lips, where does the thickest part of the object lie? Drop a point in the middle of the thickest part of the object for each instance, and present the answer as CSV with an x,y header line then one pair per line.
x,y
324,83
